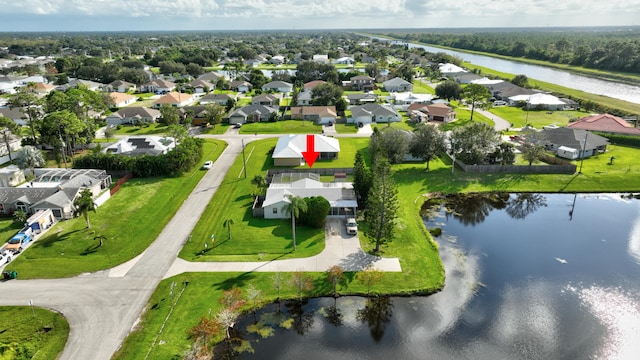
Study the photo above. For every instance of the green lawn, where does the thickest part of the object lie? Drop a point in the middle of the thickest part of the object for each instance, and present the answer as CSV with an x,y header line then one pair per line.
x,y
282,127
131,220
218,129
7,229
421,88
404,125
346,128
31,333
537,118
150,129
348,149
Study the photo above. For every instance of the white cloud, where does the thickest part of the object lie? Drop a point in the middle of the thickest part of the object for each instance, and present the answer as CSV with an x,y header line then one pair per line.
x,y
258,14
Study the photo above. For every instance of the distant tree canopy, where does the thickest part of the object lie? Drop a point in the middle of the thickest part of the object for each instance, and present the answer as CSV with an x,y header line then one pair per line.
x,y
606,50
310,70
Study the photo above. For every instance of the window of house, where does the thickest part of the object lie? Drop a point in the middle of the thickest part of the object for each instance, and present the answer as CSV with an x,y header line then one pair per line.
x,y
275,210
57,213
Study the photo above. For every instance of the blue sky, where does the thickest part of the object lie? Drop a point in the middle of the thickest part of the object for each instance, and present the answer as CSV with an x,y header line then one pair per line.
x,y
121,15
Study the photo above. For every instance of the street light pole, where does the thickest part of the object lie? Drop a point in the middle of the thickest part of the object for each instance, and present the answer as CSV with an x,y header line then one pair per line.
x,y
584,145
453,155
244,161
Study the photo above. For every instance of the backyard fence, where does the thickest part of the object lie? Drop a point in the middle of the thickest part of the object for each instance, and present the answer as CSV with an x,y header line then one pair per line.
x,y
121,181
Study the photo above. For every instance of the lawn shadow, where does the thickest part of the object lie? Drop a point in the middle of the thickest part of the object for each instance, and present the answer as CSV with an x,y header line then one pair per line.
x,y
575,176
358,261
90,250
239,281
54,238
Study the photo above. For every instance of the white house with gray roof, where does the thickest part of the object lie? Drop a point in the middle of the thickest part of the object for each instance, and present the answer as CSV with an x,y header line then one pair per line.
x,y
288,150
340,195
397,85
252,113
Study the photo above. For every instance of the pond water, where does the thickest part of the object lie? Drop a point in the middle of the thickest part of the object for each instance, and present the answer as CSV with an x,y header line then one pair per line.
x,y
529,276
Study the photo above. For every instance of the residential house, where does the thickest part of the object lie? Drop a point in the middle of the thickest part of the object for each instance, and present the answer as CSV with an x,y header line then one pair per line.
x,y
16,114
142,145
431,112
122,99
200,86
278,86
11,175
133,115
605,123
362,83
320,58
361,98
277,60
304,98
504,90
408,98
158,86
447,69
538,101
211,77
311,84
345,60
465,77
198,114
241,86
289,149
53,189
252,113
325,115
376,113
43,88
174,99
266,99
397,85
120,86
340,195
220,99
91,85
572,143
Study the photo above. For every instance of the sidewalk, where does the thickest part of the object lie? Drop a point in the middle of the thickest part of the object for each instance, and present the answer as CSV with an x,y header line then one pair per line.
x,y
340,249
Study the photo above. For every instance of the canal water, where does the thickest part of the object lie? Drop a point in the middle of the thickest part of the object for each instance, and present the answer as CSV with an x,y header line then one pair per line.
x,y
529,276
612,89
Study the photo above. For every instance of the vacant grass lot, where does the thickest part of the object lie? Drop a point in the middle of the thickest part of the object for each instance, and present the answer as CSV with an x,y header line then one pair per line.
x,y
131,220
23,334
536,118
421,88
151,129
346,128
282,127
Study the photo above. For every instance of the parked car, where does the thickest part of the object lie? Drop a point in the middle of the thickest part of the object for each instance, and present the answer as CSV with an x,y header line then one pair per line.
x,y
17,242
352,226
499,103
207,165
5,257
237,126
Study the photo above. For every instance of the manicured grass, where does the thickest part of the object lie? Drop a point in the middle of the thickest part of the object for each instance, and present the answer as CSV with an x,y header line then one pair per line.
x,y
348,149
346,128
7,229
32,333
576,94
218,129
131,220
252,238
282,127
404,125
536,118
150,129
421,88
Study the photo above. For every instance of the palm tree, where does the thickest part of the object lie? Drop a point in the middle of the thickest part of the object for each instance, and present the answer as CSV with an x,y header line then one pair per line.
x,y
295,206
227,223
84,203
259,182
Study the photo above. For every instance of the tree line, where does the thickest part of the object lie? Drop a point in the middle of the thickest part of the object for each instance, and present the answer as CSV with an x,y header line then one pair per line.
x,y
611,50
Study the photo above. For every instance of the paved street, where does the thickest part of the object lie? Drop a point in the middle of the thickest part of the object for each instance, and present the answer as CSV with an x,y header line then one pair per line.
x,y
102,307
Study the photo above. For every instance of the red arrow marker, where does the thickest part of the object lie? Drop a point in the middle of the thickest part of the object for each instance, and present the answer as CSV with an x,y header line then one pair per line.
x,y
310,156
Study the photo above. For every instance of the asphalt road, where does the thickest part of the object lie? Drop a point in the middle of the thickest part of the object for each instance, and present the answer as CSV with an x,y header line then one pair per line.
x,y
101,310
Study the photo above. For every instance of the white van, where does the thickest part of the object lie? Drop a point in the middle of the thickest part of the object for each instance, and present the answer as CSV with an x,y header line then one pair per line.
x,y
499,103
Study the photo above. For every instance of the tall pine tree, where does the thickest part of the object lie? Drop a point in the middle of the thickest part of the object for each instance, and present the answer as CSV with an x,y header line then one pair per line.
x,y
382,205
361,180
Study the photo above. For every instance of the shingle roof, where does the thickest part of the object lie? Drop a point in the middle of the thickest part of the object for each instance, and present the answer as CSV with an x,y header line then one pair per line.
x,y
605,123
573,138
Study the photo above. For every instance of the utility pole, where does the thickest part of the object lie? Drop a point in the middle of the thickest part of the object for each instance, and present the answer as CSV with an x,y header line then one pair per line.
x,y
244,161
584,145
453,155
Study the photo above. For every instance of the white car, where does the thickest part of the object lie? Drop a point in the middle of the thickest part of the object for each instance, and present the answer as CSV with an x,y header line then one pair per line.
x,y
352,226
207,165
5,257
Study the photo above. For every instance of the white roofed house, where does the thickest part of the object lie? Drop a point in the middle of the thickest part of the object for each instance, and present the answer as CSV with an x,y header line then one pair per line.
x,y
289,149
340,195
539,101
142,145
279,86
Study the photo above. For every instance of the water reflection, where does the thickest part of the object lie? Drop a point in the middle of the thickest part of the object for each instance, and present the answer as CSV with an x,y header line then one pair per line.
x,y
507,295
376,314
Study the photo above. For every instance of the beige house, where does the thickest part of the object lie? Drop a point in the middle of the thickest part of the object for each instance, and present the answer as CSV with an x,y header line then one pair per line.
x,y
174,99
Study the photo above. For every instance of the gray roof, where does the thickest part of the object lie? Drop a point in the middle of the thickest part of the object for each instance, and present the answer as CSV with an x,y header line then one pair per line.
x,y
118,83
573,138
28,195
361,96
506,89
217,97
277,84
12,113
141,111
396,81
210,76
372,109
252,109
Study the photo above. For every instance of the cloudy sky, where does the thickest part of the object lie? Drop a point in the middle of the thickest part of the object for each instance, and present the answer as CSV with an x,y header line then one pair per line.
x,y
118,15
